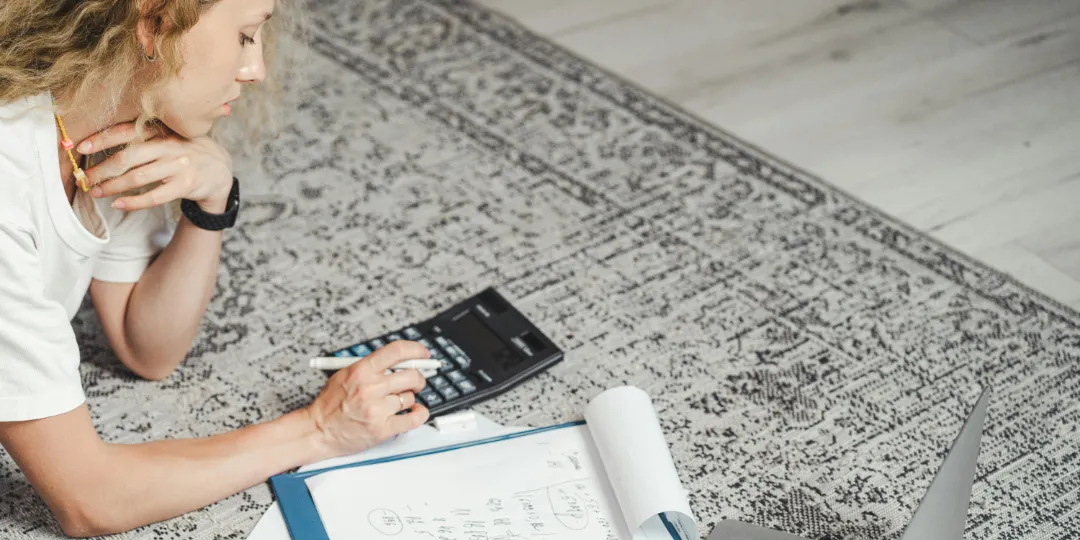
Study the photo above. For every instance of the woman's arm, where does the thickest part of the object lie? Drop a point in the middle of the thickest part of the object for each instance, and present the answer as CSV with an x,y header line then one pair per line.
x,y
96,488
151,324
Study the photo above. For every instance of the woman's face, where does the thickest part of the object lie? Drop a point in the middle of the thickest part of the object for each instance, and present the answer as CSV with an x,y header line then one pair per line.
x,y
221,52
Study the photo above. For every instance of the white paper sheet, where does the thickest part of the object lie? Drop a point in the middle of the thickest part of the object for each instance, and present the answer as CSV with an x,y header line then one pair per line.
x,y
635,454
607,480
547,485
272,524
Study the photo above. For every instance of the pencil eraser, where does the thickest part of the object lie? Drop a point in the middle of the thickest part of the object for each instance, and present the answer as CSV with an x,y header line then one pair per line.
x,y
456,422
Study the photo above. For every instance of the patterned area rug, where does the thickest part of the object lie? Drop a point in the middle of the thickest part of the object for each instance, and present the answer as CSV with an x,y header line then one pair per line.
x,y
810,359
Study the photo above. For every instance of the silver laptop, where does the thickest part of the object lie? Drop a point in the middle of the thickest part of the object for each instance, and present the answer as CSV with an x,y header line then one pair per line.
x,y
941,515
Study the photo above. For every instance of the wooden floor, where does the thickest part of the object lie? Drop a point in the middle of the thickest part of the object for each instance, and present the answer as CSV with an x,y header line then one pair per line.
x,y
960,117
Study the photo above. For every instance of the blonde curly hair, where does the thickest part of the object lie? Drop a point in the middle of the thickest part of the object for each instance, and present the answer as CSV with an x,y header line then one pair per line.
x,y
89,47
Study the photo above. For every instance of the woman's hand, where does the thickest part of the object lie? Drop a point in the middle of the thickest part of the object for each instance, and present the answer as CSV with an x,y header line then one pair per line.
x,y
197,169
358,408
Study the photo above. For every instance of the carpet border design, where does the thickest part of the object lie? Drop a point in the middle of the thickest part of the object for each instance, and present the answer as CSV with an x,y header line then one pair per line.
x,y
994,285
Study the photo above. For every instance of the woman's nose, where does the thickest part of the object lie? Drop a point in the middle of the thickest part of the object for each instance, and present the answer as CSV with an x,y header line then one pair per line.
x,y
253,69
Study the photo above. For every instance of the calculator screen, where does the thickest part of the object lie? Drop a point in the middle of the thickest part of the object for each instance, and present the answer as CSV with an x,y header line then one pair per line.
x,y
485,342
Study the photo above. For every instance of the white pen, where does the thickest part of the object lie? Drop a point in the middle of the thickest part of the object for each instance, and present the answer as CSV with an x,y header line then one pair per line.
x,y
423,365
333,362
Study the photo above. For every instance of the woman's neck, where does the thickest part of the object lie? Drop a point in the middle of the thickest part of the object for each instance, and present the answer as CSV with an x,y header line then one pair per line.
x,y
81,121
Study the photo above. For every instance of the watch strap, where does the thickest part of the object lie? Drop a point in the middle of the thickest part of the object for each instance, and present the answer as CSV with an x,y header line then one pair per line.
x,y
214,222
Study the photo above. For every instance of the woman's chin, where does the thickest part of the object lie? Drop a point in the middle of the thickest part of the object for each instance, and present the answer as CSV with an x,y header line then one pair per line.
x,y
191,130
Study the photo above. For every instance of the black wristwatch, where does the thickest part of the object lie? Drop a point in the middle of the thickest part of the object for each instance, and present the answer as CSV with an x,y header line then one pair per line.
x,y
214,222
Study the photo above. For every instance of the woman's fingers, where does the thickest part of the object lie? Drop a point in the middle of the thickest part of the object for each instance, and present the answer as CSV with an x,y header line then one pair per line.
x,y
108,138
394,353
395,403
162,194
141,176
404,381
364,387
131,157
118,134
400,423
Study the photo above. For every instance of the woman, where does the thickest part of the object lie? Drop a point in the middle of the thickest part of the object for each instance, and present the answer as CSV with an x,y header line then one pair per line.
x,y
80,77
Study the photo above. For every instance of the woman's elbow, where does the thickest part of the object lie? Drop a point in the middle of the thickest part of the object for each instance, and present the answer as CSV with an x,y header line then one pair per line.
x,y
158,373
80,520
80,529
155,368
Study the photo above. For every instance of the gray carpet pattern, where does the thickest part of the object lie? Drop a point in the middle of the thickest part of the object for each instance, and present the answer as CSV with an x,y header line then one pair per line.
x,y
810,359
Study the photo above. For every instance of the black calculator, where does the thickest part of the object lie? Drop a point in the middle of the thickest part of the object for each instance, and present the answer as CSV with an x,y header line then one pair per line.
x,y
488,345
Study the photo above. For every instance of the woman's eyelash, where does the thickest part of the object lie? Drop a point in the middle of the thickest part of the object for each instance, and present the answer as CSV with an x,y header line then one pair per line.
x,y
245,40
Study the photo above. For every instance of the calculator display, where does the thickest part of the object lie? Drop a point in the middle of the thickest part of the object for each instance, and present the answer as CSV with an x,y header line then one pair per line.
x,y
486,343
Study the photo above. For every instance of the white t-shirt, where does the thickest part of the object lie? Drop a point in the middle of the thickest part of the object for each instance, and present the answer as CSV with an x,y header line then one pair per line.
x,y
49,250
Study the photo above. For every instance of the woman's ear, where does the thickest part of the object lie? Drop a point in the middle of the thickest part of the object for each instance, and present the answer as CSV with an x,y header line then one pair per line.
x,y
150,26
146,33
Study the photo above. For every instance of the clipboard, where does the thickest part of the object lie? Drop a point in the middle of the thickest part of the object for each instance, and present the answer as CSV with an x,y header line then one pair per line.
x,y
298,508
639,492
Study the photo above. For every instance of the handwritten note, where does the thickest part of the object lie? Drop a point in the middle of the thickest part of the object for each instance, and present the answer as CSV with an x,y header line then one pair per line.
x,y
611,479
546,486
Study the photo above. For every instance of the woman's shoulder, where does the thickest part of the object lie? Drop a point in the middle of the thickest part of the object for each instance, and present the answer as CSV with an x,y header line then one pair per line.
x,y
19,160
19,122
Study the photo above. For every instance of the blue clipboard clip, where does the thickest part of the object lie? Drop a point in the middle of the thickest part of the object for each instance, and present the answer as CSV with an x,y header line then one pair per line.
x,y
298,508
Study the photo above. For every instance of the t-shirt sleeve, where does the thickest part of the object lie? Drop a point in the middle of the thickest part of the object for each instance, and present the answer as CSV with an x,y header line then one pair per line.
x,y
39,357
134,239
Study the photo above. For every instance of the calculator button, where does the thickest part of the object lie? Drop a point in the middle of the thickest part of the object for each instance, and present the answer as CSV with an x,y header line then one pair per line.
x,y
432,399
412,333
343,353
483,375
466,386
377,343
426,395
436,353
455,376
425,342
361,350
439,382
442,341
464,358
463,361
393,337
449,392
447,366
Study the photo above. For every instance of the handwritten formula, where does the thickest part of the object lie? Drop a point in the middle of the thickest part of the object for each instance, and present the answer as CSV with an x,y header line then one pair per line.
x,y
545,488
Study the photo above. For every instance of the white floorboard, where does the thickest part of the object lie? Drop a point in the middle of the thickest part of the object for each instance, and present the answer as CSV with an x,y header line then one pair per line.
x,y
961,117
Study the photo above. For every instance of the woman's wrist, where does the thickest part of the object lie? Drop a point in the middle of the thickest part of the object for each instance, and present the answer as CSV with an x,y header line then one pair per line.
x,y
308,437
217,203
317,437
213,206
